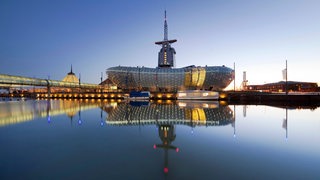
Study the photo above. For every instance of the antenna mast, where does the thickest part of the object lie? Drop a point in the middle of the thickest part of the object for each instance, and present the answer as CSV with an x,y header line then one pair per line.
x,y
165,26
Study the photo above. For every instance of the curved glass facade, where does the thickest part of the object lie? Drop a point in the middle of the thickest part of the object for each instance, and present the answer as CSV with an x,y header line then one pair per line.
x,y
126,114
171,79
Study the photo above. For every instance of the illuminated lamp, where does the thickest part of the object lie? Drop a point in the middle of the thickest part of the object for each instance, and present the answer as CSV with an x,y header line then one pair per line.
x,y
223,95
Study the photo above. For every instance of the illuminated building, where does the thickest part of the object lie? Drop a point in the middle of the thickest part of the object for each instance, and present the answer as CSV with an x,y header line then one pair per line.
x,y
293,86
166,78
71,77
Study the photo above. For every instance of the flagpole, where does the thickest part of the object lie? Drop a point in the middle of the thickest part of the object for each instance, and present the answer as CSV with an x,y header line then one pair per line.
x,y
234,81
286,77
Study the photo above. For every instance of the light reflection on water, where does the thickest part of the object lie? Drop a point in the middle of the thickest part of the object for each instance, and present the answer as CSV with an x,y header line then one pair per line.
x,y
174,140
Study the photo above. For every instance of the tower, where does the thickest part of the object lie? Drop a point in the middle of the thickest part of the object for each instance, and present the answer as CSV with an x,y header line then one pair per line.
x,y
166,56
244,81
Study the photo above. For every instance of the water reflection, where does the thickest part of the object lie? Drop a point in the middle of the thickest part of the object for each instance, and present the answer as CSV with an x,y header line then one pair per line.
x,y
259,143
186,113
167,115
290,107
14,112
167,135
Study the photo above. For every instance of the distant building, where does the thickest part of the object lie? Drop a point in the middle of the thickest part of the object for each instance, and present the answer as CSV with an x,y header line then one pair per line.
x,y
293,86
71,77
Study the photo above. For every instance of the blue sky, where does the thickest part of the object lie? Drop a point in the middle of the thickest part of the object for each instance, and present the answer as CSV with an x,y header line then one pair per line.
x,y
43,38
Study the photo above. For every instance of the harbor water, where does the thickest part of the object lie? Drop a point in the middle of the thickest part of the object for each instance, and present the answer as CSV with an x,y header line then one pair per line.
x,y
96,139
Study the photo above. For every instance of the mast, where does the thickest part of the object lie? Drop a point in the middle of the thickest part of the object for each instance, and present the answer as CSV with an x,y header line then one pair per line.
x,y
71,73
165,38
166,55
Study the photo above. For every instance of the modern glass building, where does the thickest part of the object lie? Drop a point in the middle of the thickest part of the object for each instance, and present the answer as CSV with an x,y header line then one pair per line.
x,y
171,79
166,78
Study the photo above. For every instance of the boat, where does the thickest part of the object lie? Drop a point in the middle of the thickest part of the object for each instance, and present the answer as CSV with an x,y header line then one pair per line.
x,y
197,95
139,95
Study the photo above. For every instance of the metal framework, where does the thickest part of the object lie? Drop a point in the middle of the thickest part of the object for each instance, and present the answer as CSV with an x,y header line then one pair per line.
x,y
27,81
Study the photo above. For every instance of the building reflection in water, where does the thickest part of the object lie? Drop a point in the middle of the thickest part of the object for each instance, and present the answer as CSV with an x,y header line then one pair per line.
x,y
14,112
167,115
185,113
164,115
167,135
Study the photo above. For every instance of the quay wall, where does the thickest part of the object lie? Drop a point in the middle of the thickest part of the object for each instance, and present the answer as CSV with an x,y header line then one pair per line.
x,y
229,96
247,97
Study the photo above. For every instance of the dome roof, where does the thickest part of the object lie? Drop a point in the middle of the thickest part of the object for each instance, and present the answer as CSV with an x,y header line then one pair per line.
x,y
71,77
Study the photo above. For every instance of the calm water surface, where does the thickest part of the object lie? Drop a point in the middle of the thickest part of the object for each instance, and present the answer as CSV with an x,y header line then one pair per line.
x,y
64,139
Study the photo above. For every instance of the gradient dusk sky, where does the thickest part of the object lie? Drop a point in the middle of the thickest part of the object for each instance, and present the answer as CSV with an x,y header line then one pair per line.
x,y
41,38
